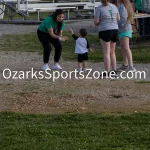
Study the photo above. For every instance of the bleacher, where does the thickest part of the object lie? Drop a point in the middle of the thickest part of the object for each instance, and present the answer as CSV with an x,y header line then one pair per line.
x,y
25,7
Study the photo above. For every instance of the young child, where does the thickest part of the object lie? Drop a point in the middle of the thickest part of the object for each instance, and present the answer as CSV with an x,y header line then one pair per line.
x,y
81,49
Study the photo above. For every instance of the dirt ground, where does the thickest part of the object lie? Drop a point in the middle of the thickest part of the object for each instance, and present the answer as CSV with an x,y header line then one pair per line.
x,y
69,95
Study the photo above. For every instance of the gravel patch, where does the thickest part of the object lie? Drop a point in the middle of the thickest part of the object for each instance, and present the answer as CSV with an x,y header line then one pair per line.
x,y
17,29
67,95
71,95
88,25
20,29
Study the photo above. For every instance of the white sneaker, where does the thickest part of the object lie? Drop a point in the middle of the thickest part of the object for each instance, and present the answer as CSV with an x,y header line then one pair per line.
x,y
56,67
45,67
79,69
131,68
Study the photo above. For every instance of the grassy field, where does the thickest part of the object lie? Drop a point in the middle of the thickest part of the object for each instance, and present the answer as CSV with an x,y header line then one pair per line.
x,y
30,43
74,132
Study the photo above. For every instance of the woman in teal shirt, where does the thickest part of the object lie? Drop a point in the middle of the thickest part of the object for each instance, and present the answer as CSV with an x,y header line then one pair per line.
x,y
50,31
138,5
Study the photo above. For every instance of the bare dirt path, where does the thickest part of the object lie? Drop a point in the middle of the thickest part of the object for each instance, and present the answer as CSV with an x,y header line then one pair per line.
x,y
70,95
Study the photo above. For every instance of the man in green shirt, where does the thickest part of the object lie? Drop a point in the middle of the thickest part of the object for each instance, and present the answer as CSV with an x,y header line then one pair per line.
x,y
50,31
137,5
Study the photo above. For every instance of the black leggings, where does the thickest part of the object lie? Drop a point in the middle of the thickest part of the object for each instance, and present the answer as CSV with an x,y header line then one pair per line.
x,y
46,39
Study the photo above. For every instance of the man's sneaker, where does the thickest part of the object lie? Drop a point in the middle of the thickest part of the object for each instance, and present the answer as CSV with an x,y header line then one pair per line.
x,y
131,68
45,67
109,75
113,74
84,70
79,69
56,67
122,68
104,75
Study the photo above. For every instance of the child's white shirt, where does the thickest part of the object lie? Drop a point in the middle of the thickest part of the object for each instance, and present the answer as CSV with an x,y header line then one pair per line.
x,y
82,45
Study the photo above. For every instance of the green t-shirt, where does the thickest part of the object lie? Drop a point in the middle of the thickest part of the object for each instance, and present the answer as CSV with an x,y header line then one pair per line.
x,y
138,4
49,23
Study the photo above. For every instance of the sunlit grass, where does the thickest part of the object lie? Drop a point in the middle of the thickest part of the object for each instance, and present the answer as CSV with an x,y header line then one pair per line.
x,y
30,43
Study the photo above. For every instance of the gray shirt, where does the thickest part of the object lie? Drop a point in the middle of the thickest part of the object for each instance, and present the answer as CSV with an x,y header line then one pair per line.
x,y
108,17
123,23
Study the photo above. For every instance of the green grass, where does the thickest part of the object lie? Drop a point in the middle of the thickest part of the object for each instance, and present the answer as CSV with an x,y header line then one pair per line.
x,y
74,132
21,43
142,82
30,43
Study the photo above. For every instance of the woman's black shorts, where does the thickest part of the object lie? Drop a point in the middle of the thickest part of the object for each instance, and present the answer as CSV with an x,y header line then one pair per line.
x,y
109,35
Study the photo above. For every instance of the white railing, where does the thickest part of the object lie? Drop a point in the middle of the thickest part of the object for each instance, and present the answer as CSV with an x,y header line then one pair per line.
x,y
2,9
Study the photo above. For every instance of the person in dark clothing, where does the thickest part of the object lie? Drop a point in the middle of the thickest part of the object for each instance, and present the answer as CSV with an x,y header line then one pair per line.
x,y
50,32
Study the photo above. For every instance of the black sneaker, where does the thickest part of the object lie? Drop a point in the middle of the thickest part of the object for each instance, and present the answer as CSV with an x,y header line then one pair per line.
x,y
122,68
113,74
104,75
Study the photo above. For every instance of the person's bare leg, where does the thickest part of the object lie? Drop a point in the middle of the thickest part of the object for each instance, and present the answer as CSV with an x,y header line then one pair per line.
x,y
106,52
84,65
79,66
113,55
125,60
127,55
